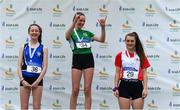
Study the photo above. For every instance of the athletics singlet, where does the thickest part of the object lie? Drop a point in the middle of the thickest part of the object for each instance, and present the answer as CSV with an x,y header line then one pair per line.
x,y
33,60
131,66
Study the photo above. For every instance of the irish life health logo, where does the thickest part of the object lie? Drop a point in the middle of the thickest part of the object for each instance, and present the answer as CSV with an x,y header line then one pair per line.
x,y
126,26
174,26
56,43
152,105
104,104
57,72
172,10
9,57
34,10
103,57
176,90
174,105
175,40
150,25
154,89
57,89
103,11
9,42
175,57
150,43
57,57
154,57
9,74
9,105
127,10
152,74
57,26
174,71
104,88
57,11
9,25
150,11
10,11
56,104
9,89
103,73
81,9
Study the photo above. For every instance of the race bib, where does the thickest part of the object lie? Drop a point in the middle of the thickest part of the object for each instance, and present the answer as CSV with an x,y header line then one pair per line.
x,y
130,75
34,69
83,45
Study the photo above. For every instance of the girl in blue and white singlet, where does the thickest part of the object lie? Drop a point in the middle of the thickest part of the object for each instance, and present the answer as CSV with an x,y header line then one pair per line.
x,y
32,66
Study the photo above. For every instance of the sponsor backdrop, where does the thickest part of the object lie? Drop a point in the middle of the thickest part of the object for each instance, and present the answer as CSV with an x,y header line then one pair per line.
x,y
156,21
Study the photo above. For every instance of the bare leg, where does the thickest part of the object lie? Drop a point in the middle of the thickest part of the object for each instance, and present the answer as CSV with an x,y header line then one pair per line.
x,y
24,96
88,77
138,104
124,103
76,78
37,94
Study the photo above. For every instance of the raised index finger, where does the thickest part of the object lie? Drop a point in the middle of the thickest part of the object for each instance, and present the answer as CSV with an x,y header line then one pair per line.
x,y
105,18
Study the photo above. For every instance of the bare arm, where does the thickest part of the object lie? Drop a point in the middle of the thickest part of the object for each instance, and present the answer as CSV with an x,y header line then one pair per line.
x,y
145,80
117,76
102,23
20,63
116,81
68,32
45,65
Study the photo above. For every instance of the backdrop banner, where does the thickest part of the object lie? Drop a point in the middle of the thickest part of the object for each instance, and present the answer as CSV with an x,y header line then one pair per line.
x,y
156,21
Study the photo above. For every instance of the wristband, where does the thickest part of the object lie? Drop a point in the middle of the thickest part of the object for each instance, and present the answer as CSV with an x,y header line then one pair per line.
x,y
21,80
114,89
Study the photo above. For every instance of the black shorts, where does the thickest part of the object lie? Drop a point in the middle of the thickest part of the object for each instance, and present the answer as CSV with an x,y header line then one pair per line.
x,y
130,89
83,61
31,81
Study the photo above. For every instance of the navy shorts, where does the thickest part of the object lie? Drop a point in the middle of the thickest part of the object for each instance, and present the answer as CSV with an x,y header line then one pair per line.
x,y
131,89
32,80
83,61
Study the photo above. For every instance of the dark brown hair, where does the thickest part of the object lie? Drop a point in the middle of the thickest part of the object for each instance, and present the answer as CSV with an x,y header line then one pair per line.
x,y
40,31
78,13
138,46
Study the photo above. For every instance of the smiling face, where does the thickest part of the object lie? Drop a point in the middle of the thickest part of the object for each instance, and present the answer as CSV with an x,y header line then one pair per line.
x,y
81,21
130,42
34,32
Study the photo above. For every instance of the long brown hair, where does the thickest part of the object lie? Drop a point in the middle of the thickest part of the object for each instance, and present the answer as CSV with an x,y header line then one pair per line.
x,y
138,46
40,30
